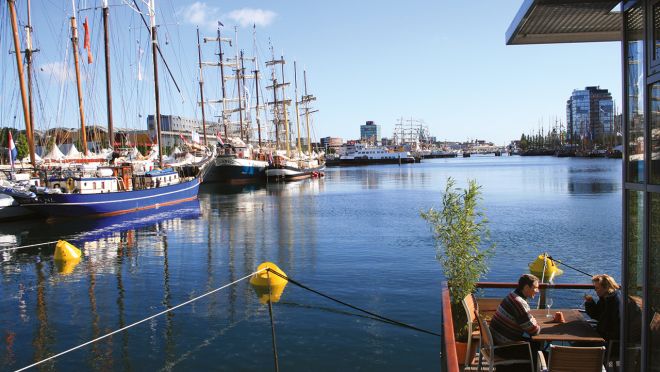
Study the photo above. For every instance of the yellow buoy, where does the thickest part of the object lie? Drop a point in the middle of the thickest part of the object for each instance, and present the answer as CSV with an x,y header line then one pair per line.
x,y
66,251
551,268
67,256
268,285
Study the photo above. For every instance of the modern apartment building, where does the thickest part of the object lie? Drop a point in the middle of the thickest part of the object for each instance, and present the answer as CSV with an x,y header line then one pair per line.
x,y
590,116
370,132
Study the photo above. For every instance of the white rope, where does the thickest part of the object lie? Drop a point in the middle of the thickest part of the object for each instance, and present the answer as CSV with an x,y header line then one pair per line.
x,y
27,246
141,321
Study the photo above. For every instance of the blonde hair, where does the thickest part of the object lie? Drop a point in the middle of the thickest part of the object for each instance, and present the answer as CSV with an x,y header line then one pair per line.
x,y
606,282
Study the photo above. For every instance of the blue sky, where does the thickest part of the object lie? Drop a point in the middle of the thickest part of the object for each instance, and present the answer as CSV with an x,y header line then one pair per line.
x,y
444,62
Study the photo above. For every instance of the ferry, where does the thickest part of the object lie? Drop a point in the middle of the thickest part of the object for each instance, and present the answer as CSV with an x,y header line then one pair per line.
x,y
368,155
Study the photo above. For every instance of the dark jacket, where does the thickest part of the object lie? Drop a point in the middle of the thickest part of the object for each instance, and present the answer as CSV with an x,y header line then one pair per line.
x,y
606,311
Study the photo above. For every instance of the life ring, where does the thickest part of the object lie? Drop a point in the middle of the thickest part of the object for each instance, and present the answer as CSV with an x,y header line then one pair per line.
x,y
70,184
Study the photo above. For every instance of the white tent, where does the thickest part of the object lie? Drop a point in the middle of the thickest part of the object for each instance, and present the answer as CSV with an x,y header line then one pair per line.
x,y
73,152
54,154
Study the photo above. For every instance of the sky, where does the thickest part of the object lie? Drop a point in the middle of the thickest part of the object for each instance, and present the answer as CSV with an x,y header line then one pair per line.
x,y
443,62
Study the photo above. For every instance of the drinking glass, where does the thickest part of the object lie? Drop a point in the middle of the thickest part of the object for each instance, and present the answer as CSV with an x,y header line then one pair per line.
x,y
548,305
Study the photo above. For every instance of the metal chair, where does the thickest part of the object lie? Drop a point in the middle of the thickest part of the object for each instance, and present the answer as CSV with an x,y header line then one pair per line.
x,y
471,310
488,348
570,358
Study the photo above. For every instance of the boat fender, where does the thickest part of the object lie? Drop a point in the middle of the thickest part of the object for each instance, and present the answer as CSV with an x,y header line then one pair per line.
x,y
267,285
70,184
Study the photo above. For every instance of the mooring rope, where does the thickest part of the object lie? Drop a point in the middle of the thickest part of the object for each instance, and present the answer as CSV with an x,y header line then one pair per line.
x,y
138,322
354,307
272,324
27,246
570,267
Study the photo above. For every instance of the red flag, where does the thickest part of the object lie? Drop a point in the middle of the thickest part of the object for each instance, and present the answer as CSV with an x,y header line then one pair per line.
x,y
183,138
220,139
87,46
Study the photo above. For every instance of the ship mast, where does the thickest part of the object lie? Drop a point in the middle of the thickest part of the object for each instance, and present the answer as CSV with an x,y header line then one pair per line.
x,y
220,64
240,94
201,85
306,99
154,47
108,85
286,115
256,84
21,80
295,84
81,109
28,60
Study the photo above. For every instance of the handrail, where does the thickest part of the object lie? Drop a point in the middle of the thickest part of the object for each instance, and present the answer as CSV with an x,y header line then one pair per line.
x,y
541,285
451,358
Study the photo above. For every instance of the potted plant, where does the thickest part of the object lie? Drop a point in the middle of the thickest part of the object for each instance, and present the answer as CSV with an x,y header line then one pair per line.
x,y
463,247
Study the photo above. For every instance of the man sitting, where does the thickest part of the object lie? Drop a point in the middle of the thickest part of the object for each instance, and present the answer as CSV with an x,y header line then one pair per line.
x,y
512,322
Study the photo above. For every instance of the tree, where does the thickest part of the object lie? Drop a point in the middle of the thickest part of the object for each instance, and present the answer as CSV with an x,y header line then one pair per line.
x,y
524,143
22,146
462,238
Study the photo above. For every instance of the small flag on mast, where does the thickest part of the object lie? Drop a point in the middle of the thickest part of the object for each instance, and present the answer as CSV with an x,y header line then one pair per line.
x,y
87,46
13,152
222,143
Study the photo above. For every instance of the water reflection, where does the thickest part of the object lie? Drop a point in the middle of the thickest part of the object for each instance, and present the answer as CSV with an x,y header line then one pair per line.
x,y
592,179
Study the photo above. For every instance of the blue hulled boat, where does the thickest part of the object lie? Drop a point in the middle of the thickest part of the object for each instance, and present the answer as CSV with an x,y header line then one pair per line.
x,y
112,190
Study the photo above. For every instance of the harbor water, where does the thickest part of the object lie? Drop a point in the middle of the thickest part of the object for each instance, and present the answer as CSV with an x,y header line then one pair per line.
x,y
355,235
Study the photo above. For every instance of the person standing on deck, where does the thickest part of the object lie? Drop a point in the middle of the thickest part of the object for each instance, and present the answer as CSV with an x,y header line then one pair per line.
x,y
513,322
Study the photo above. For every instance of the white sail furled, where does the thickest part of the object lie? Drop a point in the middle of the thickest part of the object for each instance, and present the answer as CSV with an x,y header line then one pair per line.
x,y
54,154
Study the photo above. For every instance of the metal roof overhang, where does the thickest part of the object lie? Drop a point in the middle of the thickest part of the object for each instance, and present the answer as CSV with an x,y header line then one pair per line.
x,y
565,21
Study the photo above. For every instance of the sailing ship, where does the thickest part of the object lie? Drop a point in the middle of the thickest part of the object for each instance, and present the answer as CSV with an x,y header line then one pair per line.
x,y
237,161
102,190
285,164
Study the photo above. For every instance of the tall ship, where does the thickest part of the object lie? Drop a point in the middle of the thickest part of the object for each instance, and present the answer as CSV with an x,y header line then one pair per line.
x,y
289,164
362,154
115,188
240,158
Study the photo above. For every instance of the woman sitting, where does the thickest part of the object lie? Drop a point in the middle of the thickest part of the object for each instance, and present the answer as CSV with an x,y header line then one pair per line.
x,y
606,309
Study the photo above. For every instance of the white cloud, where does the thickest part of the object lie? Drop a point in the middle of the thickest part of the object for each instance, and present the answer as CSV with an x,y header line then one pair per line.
x,y
201,14
247,17
207,17
57,70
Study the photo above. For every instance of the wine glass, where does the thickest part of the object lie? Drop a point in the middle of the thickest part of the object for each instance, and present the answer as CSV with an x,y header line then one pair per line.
x,y
548,304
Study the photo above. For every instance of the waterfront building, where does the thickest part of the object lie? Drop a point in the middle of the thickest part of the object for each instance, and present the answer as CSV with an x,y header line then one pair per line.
x,y
173,127
632,24
370,132
590,116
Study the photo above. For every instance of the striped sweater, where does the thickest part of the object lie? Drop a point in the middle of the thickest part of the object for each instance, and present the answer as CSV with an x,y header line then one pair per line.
x,y
512,320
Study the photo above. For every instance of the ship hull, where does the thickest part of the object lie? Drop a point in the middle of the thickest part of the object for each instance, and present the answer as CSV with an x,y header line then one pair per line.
x,y
293,173
356,161
112,203
236,171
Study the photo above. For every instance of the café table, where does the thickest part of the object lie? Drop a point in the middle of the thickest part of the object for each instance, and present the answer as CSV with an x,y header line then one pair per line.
x,y
575,329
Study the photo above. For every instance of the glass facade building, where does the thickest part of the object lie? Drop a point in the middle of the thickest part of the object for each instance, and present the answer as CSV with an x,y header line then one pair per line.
x,y
590,116
370,132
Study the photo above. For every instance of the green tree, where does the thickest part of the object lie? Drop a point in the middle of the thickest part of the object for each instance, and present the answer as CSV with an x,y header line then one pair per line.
x,y
524,142
462,238
21,145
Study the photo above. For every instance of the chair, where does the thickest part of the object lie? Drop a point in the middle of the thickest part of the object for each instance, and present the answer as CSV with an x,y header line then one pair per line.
x,y
488,348
471,310
570,358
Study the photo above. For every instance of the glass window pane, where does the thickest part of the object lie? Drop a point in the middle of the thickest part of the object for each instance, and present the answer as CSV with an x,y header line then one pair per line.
x,y
634,279
635,88
656,31
654,285
654,116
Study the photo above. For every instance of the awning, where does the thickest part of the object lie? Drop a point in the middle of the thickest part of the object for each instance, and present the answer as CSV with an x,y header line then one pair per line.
x,y
565,21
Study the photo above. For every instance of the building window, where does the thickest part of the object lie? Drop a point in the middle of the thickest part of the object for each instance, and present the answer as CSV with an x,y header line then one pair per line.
x,y
635,89
634,280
